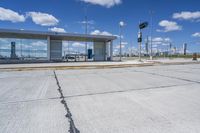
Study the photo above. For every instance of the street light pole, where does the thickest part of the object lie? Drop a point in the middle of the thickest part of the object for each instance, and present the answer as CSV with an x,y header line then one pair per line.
x,y
151,54
147,45
120,26
86,31
21,49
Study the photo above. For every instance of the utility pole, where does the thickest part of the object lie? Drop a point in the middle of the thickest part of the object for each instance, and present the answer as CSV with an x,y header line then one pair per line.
x,y
21,49
86,32
68,51
185,48
170,49
120,38
78,53
121,24
147,46
139,41
151,50
64,55
0,49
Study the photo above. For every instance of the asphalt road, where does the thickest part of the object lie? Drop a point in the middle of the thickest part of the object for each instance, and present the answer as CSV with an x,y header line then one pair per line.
x,y
156,99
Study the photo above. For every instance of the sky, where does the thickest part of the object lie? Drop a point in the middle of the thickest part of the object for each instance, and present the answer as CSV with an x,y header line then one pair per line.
x,y
173,21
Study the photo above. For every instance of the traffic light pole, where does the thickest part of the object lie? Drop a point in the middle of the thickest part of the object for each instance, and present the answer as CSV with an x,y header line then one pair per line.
x,y
141,26
140,43
151,51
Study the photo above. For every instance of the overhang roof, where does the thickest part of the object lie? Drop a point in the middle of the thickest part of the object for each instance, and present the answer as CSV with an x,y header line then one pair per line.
x,y
27,34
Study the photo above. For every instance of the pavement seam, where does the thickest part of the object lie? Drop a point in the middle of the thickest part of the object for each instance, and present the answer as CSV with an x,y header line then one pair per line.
x,y
128,90
91,94
30,100
73,128
183,79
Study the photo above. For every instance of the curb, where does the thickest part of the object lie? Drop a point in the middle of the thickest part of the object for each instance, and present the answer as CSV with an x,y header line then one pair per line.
x,y
94,66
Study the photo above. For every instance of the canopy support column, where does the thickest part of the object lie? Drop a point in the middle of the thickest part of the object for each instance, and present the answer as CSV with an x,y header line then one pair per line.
x,y
48,48
111,50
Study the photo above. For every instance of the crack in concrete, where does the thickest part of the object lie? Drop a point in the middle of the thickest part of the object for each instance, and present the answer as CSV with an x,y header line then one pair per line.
x,y
73,128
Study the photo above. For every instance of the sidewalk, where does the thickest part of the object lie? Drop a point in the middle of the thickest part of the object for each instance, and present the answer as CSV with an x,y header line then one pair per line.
x,y
88,65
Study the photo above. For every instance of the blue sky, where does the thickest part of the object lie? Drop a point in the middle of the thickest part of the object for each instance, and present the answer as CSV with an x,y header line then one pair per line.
x,y
175,21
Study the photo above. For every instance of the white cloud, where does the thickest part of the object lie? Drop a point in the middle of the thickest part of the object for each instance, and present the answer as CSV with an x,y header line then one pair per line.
x,y
88,22
118,46
104,33
4,40
5,47
157,39
43,19
39,44
197,34
105,3
95,32
78,44
98,32
27,47
161,41
169,26
118,36
187,15
55,29
9,15
167,39
123,45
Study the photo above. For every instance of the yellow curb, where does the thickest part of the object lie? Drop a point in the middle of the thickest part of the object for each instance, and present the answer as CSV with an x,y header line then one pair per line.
x,y
94,66
75,67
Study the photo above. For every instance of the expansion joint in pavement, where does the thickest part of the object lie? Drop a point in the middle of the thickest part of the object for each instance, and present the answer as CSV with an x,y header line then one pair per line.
x,y
123,91
183,79
73,128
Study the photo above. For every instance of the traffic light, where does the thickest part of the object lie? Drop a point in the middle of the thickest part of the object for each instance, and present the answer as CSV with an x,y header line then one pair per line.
x,y
140,37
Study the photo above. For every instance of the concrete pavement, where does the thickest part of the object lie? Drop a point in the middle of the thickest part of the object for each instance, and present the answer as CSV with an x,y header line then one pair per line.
x,y
154,99
28,104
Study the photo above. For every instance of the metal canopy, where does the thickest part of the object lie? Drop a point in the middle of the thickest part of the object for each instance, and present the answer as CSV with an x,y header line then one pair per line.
x,y
27,34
